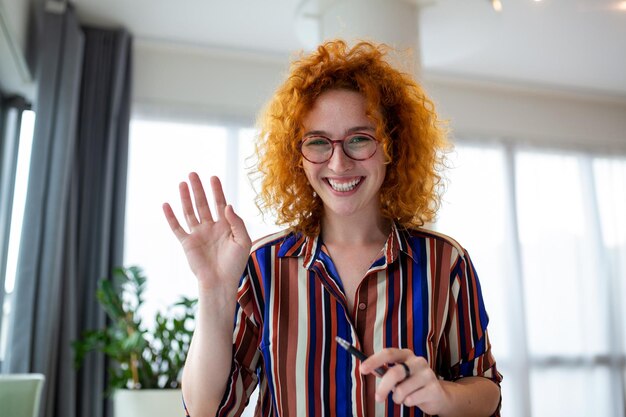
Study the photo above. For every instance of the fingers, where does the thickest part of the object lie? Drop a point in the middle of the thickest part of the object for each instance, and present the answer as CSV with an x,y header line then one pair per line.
x,y
199,195
179,232
414,397
237,227
393,375
188,210
384,357
406,378
218,195
198,211
419,386
202,212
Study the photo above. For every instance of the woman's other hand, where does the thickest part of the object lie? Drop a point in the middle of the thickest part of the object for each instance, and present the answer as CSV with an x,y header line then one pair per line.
x,y
413,383
409,379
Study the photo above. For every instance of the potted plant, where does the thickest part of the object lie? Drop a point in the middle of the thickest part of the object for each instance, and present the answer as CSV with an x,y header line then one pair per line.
x,y
146,362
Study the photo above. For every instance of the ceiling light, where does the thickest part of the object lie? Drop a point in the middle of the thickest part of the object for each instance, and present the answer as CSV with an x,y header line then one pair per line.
x,y
622,5
497,5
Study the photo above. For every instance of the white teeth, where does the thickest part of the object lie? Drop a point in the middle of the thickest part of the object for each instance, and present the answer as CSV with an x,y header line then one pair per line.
x,y
344,186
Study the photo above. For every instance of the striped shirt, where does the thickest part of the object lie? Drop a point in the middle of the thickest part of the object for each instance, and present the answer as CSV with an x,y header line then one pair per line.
x,y
422,294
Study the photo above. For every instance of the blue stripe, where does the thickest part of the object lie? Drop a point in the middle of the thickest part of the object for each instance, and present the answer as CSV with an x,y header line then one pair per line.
x,y
329,341
420,304
344,365
264,260
389,319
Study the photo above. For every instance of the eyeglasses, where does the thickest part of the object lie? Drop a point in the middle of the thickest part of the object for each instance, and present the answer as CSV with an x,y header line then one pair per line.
x,y
357,146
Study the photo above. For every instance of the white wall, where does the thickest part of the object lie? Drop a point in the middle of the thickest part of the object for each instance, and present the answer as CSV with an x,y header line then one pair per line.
x,y
15,76
202,83
214,84
532,116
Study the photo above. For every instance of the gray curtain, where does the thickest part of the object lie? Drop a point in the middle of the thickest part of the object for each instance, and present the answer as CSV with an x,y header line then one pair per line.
x,y
73,223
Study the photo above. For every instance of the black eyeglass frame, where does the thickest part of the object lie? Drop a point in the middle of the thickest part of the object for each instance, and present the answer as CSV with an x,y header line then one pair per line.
x,y
342,141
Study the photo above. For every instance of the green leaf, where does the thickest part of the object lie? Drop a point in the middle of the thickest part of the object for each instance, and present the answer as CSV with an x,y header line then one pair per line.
x,y
160,352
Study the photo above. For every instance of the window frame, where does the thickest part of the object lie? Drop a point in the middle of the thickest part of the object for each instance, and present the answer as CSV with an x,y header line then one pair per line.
x,y
11,112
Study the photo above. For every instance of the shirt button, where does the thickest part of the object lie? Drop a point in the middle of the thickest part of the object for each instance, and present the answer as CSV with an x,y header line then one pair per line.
x,y
362,306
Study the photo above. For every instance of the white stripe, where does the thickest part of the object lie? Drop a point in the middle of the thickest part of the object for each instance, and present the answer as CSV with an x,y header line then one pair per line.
x,y
301,348
355,393
238,321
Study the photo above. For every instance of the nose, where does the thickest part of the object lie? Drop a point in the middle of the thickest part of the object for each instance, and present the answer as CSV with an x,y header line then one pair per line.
x,y
339,161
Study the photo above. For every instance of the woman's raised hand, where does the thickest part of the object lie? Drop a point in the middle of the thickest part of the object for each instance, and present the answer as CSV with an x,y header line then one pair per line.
x,y
216,246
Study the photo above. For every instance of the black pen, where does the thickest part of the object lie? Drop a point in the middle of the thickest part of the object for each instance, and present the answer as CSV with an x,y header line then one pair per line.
x,y
357,353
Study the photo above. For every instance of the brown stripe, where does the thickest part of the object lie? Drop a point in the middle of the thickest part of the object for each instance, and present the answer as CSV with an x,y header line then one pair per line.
x,y
317,362
289,300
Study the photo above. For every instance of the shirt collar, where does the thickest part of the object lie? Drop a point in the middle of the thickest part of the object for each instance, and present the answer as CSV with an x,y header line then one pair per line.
x,y
298,245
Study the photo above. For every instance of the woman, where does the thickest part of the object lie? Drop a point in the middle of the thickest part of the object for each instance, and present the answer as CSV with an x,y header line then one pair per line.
x,y
350,152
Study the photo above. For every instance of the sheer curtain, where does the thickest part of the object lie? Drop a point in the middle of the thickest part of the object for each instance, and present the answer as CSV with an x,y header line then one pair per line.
x,y
546,230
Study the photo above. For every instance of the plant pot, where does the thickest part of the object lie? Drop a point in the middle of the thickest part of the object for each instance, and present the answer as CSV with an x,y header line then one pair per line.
x,y
148,403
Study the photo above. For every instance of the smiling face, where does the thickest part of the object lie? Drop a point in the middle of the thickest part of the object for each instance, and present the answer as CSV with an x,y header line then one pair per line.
x,y
347,187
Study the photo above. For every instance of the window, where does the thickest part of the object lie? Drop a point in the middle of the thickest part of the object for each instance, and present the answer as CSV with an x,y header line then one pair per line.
x,y
547,233
18,134
161,155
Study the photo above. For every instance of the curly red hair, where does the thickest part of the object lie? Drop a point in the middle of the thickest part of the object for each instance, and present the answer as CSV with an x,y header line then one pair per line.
x,y
413,138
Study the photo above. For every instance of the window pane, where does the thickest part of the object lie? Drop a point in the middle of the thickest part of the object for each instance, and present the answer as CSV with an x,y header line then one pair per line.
x,y
610,176
566,309
572,392
161,155
17,216
258,226
473,213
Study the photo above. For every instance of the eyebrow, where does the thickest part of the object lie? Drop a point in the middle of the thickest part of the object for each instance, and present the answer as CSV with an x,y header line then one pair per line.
x,y
351,130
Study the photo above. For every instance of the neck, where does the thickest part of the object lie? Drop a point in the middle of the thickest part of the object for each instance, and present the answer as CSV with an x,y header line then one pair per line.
x,y
355,231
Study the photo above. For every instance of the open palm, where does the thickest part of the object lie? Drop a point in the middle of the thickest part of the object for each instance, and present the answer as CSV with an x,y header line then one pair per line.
x,y
216,247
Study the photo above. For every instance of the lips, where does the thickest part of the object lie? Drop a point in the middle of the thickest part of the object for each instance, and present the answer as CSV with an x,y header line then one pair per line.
x,y
344,186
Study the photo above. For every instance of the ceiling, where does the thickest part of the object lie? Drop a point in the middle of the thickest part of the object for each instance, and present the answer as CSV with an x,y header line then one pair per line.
x,y
570,45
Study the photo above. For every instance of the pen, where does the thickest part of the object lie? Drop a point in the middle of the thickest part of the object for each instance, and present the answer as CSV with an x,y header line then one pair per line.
x,y
357,353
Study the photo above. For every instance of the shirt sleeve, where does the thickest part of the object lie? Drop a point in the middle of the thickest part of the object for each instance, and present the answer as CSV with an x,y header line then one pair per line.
x,y
243,376
465,349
